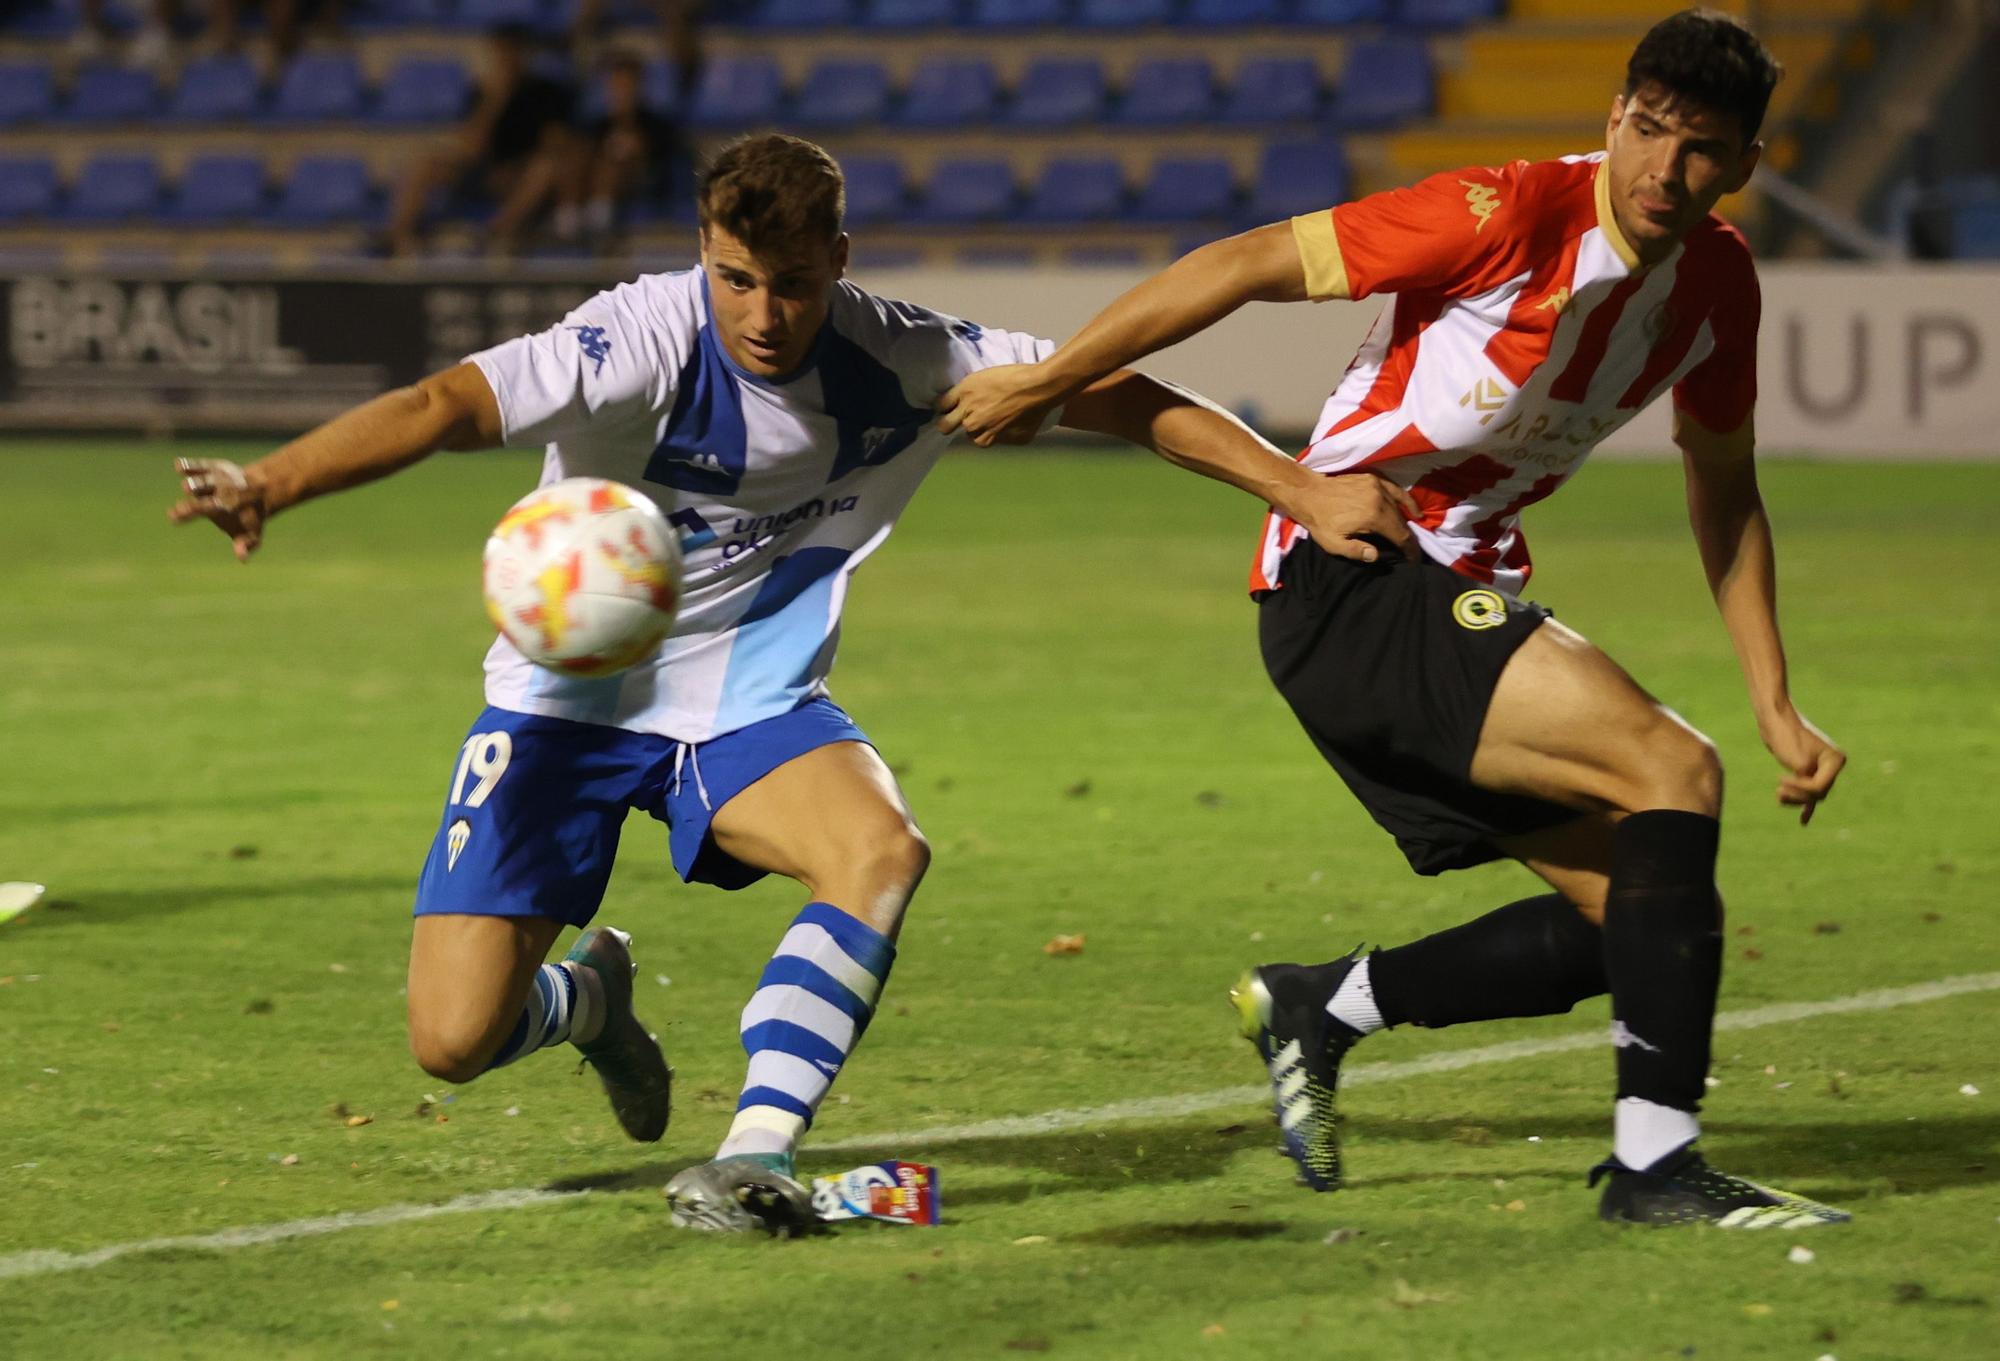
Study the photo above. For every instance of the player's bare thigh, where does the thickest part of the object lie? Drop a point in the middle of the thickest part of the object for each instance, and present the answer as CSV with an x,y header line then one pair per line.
x,y
1567,724
835,820
469,976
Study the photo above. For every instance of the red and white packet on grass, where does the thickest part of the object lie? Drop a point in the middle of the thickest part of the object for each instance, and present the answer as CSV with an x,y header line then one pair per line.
x,y
895,1192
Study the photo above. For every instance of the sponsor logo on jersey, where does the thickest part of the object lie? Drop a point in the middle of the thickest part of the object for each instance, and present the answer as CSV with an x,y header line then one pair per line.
x,y
596,345
1480,609
1486,395
454,842
1482,200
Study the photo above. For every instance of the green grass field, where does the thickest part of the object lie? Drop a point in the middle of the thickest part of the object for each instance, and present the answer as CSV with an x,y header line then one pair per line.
x,y
229,776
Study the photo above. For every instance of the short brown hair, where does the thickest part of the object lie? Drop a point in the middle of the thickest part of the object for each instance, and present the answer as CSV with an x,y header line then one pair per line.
x,y
770,190
1711,60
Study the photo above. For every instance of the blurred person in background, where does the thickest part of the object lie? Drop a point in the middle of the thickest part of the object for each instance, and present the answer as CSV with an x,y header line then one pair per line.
x,y
284,25
518,144
632,150
152,46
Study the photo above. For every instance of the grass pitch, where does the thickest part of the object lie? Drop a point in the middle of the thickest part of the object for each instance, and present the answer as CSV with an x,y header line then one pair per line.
x,y
228,777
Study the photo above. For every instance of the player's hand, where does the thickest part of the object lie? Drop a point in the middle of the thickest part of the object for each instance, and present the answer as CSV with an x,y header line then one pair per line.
x,y
229,497
1809,754
1336,509
999,405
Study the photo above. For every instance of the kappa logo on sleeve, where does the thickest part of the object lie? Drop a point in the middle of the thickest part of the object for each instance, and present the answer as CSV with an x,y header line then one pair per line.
x,y
1482,200
596,345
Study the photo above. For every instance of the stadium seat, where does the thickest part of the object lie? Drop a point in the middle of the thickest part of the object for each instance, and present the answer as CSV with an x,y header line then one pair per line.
x,y
319,87
115,188
1124,13
1273,90
734,92
949,92
214,90
1384,82
1186,189
876,191
379,15
1057,92
27,95
1076,190
805,14
660,89
1975,231
424,90
38,19
967,191
1233,13
1018,13
27,188
905,14
1297,177
111,94
218,189
323,190
842,94
1340,13
1445,13
1169,92
493,13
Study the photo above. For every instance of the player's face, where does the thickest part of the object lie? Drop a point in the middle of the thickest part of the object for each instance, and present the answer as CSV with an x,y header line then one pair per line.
x,y
1669,163
769,306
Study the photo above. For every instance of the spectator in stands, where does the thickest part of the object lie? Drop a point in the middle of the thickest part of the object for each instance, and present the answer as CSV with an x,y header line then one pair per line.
x,y
151,47
632,148
517,145
284,21
679,23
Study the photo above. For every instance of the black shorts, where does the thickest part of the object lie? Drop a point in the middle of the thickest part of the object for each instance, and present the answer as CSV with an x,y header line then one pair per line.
x,y
1391,666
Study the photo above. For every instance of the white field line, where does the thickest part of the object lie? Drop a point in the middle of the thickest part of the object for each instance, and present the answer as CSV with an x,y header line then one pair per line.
x,y
44,1261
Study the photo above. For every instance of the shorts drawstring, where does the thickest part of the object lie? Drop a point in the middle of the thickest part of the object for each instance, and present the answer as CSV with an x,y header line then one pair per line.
x,y
686,753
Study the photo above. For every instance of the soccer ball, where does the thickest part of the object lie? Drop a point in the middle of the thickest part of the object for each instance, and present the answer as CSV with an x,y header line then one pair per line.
x,y
583,576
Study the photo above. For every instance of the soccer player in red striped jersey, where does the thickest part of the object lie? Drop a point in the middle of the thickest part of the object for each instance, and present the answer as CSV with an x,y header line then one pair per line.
x,y
1535,309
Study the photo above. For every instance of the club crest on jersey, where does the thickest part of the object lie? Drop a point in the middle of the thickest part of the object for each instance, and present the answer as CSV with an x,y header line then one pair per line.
x,y
454,842
1479,610
1482,200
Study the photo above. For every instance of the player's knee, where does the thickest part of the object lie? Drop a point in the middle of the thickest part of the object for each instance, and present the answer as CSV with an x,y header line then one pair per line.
x,y
1681,769
896,863
450,1053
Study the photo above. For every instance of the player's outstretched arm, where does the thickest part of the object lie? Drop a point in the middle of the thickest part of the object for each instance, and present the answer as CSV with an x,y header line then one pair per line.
x,y
1733,533
1192,432
454,409
1187,297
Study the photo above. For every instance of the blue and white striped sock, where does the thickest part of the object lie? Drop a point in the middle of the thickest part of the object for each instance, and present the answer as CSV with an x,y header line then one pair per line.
x,y
809,1011
554,1003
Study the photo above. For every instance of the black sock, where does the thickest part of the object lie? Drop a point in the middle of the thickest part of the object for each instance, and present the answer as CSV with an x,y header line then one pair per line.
x,y
1537,957
1663,954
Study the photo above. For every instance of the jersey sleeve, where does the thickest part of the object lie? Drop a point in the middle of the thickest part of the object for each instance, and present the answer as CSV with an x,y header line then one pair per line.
x,y
595,367
931,351
1451,233
1720,391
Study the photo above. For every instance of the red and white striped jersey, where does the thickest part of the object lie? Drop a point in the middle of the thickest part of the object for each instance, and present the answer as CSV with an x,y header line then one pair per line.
x,y
1522,332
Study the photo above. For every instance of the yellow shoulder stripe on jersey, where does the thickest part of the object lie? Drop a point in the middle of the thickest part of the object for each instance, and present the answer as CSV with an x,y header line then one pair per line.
x,y
1319,252
1605,219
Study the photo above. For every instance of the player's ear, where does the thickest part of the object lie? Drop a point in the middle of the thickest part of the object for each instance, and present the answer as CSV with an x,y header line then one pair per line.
x,y
840,257
1745,166
1616,117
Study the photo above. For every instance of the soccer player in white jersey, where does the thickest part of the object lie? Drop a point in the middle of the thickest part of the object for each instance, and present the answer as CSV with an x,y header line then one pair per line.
x,y
1536,309
783,418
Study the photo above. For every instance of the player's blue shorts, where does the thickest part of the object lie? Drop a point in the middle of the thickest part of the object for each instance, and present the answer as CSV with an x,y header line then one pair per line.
x,y
535,805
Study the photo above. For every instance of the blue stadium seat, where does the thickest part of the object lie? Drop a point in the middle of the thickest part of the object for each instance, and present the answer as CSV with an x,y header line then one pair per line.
x,y
804,14
1975,231
378,15
1124,13
1018,13
218,189
1445,13
319,87
27,188
1273,90
27,94
1076,190
1057,92
492,13
968,190
1297,177
660,88
1168,92
1339,13
949,92
115,188
111,94
424,90
734,92
1186,189
324,190
1233,13
904,14
876,191
842,94
38,19
214,90
1384,82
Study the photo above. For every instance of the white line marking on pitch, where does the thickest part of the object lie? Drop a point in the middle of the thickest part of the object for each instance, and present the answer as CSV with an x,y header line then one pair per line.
x,y
43,1261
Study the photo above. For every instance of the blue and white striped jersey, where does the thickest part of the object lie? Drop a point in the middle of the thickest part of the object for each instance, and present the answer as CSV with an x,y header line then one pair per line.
x,y
779,489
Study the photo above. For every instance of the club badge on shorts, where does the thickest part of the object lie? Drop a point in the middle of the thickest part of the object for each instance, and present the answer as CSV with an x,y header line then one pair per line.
x,y
1479,610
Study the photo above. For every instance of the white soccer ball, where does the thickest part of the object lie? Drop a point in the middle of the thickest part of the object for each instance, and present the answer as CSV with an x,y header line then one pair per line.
x,y
583,576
